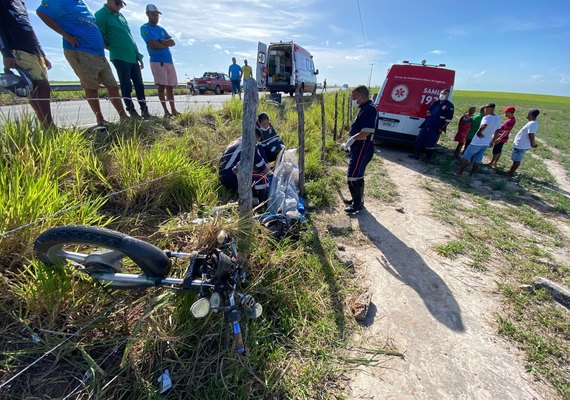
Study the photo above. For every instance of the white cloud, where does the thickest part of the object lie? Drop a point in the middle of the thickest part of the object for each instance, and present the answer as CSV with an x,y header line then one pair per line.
x,y
217,47
211,21
349,57
226,52
565,80
438,52
329,67
538,78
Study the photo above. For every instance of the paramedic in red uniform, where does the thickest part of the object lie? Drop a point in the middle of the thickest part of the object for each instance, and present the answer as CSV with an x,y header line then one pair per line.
x,y
438,116
360,146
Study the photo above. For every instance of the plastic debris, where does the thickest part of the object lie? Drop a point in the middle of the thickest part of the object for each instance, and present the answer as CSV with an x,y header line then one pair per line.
x,y
165,381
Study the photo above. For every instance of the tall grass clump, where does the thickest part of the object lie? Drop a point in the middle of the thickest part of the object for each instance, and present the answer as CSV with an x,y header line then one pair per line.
x,y
159,176
41,175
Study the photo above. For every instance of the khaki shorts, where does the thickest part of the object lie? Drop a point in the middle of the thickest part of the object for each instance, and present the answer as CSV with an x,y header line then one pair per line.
x,y
164,74
91,70
33,64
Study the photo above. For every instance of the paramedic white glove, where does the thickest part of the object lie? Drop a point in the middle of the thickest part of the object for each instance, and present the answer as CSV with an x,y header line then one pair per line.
x,y
346,145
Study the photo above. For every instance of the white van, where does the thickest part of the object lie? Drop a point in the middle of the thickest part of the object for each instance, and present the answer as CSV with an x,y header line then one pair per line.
x,y
285,67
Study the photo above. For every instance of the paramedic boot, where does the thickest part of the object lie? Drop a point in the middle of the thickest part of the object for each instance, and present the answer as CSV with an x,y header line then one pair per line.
x,y
350,201
357,204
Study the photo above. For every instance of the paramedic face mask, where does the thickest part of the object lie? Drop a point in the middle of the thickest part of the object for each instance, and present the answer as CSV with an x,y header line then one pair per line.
x,y
354,103
443,96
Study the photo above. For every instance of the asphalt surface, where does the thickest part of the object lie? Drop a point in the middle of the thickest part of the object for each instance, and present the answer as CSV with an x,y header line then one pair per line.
x,y
78,113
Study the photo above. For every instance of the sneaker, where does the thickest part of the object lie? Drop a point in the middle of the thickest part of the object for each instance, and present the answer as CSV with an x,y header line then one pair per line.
x,y
348,202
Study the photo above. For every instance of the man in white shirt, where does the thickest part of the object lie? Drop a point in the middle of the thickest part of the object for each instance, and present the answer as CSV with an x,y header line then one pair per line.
x,y
524,140
481,141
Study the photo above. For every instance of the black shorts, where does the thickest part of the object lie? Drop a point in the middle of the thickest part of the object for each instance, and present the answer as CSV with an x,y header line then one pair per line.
x,y
498,148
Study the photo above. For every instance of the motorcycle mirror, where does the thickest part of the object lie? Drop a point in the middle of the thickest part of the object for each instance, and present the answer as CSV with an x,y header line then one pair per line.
x,y
215,301
200,308
256,312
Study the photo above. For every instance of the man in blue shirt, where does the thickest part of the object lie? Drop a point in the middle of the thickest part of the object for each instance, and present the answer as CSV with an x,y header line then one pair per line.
x,y
84,50
158,43
437,118
360,147
20,48
235,73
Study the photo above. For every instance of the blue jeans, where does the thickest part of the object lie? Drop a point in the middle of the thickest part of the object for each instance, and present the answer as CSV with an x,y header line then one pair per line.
x,y
236,89
129,74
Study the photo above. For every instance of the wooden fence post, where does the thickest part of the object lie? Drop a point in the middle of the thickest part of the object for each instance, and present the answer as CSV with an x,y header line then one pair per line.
x,y
245,169
335,114
323,127
342,123
301,117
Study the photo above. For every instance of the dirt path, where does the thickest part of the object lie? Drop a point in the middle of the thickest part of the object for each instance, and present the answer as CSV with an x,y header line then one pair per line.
x,y
440,314
559,174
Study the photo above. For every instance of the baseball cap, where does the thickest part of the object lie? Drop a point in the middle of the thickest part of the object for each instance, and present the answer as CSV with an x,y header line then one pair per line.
x,y
492,105
152,8
534,112
509,109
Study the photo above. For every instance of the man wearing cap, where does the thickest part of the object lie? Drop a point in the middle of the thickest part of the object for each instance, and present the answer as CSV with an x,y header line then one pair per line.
x,y
437,118
83,48
502,135
481,141
158,43
524,140
123,53
21,49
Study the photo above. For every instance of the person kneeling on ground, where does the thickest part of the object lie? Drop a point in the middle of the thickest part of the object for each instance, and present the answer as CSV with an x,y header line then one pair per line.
x,y
481,141
360,147
268,139
229,163
524,140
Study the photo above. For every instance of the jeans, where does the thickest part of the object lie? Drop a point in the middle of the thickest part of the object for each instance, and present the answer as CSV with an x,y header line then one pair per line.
x,y
236,89
129,74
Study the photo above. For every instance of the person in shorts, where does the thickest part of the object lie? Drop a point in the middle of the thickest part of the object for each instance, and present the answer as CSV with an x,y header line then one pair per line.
x,y
158,43
235,72
524,140
20,48
83,48
502,135
463,129
480,143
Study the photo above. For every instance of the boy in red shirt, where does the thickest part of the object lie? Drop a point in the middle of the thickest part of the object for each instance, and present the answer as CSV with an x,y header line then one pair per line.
x,y
502,135
463,129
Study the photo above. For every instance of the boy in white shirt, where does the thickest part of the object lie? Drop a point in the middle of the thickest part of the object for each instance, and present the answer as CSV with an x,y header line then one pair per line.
x,y
524,140
481,141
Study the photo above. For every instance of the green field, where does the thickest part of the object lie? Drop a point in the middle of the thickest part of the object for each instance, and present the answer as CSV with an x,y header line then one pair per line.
x,y
79,177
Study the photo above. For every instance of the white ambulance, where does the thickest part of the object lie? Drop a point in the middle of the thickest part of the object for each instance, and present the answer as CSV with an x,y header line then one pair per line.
x,y
405,97
285,67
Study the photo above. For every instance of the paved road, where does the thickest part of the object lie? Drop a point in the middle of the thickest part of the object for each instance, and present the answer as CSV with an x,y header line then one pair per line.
x,y
78,113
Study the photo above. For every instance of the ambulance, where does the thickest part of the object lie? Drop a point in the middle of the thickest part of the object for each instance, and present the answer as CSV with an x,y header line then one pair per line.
x,y
285,67
405,97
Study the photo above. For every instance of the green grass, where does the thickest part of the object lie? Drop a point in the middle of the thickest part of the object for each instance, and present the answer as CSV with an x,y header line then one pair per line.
x,y
148,178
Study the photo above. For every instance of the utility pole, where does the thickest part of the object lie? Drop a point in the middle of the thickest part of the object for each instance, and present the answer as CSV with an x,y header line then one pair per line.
x,y
370,78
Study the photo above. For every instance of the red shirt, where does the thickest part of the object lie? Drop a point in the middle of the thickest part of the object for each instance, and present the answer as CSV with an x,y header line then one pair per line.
x,y
508,126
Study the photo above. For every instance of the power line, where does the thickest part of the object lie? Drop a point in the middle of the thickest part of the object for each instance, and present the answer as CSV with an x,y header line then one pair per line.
x,y
363,34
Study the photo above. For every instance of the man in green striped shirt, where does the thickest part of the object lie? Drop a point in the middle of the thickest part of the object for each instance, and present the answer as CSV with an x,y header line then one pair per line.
x,y
124,54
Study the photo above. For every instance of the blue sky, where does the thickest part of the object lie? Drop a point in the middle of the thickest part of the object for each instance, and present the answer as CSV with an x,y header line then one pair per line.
x,y
521,46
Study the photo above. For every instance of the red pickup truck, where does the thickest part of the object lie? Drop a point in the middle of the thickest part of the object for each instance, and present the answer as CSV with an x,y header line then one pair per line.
x,y
214,81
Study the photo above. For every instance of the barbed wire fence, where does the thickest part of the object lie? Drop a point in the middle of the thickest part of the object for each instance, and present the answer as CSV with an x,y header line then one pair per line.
x,y
250,109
